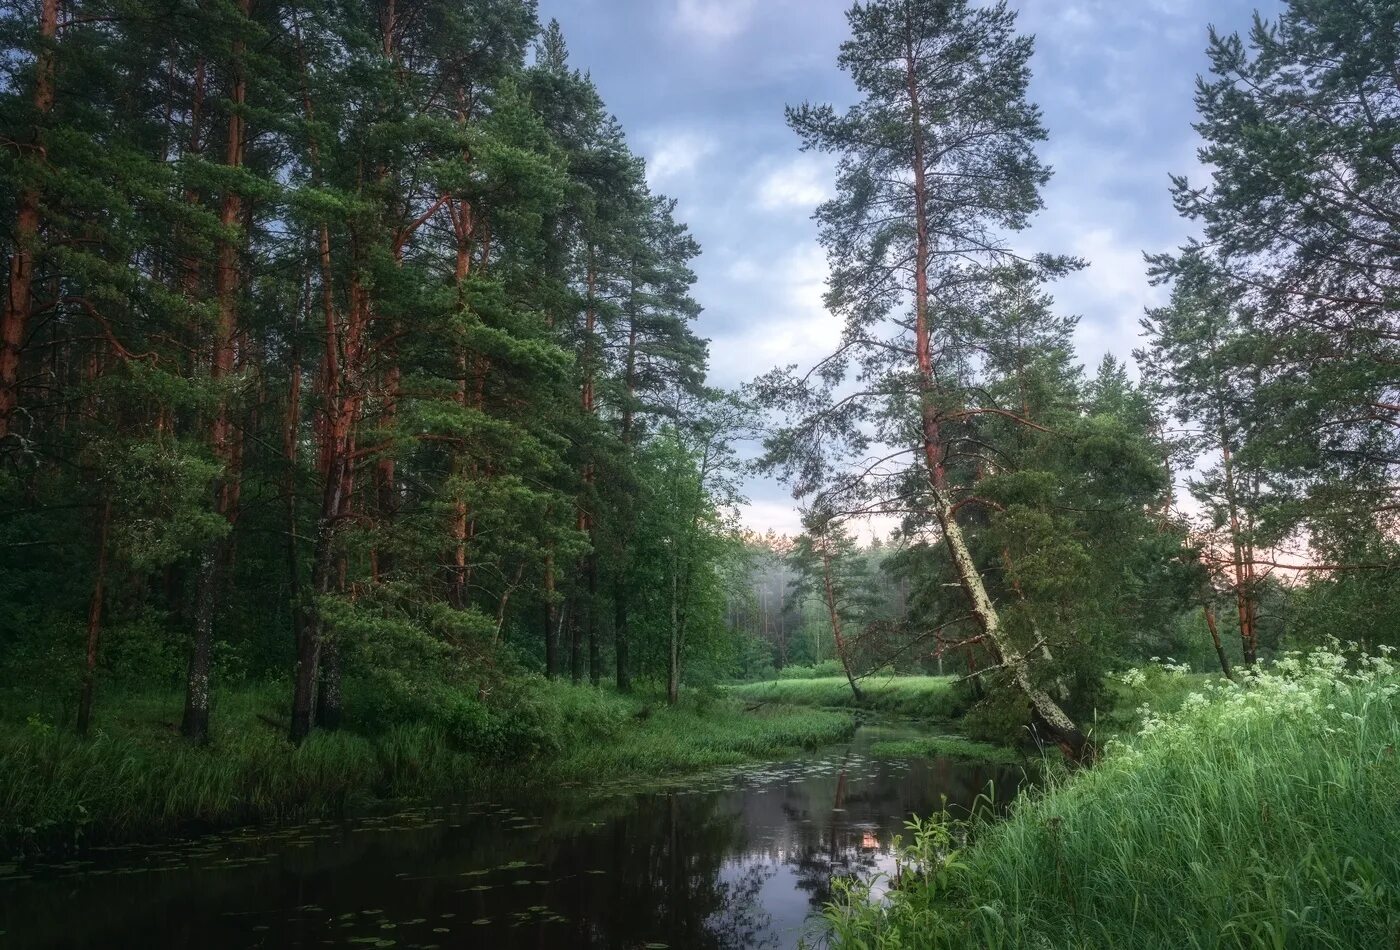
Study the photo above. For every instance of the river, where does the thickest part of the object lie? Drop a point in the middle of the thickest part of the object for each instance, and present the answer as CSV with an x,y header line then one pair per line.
x,y
742,858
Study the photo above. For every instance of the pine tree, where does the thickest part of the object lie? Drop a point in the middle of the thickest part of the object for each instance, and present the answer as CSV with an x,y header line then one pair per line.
x,y
937,165
830,568
1300,125
1199,364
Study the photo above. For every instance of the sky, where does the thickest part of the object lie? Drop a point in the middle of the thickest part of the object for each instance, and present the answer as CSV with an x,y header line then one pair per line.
x,y
700,86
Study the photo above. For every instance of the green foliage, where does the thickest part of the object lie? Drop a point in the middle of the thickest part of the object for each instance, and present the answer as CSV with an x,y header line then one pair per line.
x,y
923,697
1260,347
824,669
697,735
373,340
1262,815
1002,716
136,778
971,409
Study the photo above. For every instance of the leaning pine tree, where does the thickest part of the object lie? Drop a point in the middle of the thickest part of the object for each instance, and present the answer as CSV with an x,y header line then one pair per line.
x,y
936,166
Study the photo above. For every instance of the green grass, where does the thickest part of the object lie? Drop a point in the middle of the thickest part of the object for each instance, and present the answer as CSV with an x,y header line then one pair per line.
x,y
673,741
950,747
1159,689
136,778
924,697
1259,817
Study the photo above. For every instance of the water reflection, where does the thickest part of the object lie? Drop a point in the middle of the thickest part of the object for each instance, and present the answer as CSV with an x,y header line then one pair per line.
x,y
734,860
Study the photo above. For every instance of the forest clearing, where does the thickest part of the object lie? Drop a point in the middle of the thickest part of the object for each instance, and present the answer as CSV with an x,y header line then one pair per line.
x,y
409,538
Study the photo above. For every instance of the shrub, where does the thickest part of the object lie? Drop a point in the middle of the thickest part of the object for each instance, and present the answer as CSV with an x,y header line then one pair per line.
x,y
817,671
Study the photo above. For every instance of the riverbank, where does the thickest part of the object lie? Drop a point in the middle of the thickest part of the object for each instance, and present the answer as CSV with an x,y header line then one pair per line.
x,y
933,699
135,778
1259,816
918,697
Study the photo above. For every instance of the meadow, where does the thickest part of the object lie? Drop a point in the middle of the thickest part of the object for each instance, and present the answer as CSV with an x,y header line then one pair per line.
x,y
921,697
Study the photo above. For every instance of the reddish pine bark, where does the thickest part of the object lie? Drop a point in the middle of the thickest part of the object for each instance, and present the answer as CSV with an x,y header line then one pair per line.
x,y
463,226
1243,566
195,723
1048,713
1215,638
19,295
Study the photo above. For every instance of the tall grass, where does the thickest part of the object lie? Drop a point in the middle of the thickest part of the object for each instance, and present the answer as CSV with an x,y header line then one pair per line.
x,y
927,697
1259,816
137,778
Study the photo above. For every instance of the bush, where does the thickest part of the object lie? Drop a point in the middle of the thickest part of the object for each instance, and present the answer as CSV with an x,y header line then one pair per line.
x,y
823,669
1001,716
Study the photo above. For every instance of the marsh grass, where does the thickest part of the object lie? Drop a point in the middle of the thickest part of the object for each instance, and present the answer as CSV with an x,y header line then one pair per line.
x,y
1262,816
923,697
136,778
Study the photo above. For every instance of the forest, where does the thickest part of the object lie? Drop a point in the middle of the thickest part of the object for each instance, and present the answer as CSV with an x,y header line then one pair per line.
x,y
359,453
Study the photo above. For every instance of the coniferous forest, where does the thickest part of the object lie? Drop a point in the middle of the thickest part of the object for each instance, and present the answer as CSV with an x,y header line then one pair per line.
x,y
362,469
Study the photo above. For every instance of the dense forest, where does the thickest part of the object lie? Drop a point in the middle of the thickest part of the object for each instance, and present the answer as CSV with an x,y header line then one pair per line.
x,y
353,381
341,340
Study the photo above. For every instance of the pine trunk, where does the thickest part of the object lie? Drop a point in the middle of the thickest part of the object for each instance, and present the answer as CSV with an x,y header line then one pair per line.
x,y
551,639
457,596
620,635
329,698
94,622
194,724
673,654
214,559
1215,639
575,644
589,566
19,295
834,615
595,657
1243,565
1061,727
621,582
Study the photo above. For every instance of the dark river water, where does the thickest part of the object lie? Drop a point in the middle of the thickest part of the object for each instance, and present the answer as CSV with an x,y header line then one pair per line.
x,y
735,859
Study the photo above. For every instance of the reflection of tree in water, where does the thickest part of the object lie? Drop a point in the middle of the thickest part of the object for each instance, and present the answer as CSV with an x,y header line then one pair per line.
x,y
714,869
744,918
666,883
838,848
852,819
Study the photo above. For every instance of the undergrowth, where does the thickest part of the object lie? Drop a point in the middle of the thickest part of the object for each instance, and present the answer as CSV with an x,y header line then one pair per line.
x,y
137,778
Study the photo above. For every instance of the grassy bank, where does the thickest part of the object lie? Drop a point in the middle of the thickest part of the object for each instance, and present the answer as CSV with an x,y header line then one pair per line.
x,y
924,697
137,778
1266,816
949,747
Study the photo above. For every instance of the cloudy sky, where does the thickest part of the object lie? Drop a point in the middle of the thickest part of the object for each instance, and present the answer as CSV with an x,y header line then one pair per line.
x,y
700,86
